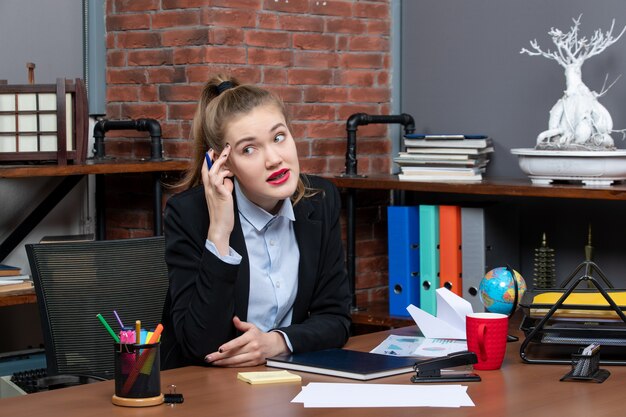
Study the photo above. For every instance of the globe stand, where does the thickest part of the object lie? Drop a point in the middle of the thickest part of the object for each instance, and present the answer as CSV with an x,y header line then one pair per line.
x,y
510,337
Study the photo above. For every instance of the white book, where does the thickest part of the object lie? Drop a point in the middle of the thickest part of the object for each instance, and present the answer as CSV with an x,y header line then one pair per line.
x,y
445,178
441,171
447,143
441,162
421,156
465,151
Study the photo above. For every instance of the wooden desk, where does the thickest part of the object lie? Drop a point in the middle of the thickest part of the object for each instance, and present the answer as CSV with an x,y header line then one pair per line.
x,y
516,390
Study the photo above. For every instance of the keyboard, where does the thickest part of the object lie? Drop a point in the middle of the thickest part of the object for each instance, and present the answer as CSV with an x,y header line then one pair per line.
x,y
27,380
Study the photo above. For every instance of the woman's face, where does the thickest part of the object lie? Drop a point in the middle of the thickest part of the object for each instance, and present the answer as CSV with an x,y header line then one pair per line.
x,y
263,156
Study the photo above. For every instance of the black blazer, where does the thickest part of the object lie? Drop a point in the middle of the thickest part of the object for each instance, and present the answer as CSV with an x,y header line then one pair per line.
x,y
205,293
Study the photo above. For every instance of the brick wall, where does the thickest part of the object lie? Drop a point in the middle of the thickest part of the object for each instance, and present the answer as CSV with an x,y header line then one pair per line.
x,y
326,59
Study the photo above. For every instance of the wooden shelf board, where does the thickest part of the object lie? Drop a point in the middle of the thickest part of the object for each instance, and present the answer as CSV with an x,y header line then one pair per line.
x,y
107,166
489,187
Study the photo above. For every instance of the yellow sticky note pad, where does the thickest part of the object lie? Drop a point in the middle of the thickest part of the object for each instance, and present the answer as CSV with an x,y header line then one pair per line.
x,y
268,377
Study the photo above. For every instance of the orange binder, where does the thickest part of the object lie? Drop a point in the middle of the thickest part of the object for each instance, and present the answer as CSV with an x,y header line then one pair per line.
x,y
450,262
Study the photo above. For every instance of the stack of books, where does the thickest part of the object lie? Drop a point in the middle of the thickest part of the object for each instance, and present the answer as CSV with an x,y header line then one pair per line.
x,y
12,279
444,157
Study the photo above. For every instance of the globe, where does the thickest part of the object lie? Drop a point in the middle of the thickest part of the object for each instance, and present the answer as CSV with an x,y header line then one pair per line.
x,y
497,290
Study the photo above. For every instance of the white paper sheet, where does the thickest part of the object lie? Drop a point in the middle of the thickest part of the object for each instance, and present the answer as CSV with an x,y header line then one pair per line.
x,y
435,348
324,395
396,345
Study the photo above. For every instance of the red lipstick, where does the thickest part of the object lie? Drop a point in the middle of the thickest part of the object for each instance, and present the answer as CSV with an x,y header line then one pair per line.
x,y
279,177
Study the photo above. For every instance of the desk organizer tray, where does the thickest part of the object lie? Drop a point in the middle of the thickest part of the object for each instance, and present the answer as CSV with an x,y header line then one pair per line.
x,y
558,321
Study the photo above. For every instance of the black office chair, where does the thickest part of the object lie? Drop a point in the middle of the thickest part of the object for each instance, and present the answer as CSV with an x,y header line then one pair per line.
x,y
76,281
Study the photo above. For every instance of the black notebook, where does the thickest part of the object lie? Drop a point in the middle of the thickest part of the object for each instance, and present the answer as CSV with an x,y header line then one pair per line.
x,y
344,363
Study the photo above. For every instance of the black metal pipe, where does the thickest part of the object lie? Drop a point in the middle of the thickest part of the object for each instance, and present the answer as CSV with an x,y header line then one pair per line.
x,y
354,121
152,126
362,119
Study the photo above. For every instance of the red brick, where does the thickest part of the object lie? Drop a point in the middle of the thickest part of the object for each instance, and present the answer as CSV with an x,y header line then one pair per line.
x,y
267,21
136,111
185,37
332,8
183,4
116,58
229,17
361,60
326,147
119,93
325,130
314,41
275,57
378,27
307,76
312,112
225,36
356,77
346,26
151,57
375,146
169,19
178,149
371,10
298,129
269,39
190,55
370,94
126,76
148,93
127,22
166,75
325,94
302,147
181,111
225,55
170,130
293,6
372,247
289,94
316,59
169,93
301,23
313,165
274,76
114,111
238,4
138,40
368,43
382,79
135,5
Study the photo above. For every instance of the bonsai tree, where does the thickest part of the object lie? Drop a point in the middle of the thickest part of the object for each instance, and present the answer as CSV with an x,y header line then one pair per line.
x,y
577,121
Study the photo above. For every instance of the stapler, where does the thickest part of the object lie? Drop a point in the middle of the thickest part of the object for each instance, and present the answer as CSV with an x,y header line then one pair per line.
x,y
429,370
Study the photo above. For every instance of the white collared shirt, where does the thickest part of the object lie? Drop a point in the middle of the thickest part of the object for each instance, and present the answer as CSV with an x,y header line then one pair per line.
x,y
274,259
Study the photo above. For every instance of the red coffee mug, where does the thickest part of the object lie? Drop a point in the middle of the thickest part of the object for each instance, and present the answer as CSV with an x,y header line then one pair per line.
x,y
486,336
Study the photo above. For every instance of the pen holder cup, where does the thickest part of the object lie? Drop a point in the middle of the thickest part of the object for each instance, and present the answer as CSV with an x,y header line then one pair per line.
x,y
137,375
586,368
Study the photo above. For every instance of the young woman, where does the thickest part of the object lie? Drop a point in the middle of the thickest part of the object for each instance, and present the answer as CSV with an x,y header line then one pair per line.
x,y
253,247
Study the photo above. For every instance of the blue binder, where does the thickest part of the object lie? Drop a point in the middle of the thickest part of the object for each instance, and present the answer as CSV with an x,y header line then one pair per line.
x,y
404,260
429,257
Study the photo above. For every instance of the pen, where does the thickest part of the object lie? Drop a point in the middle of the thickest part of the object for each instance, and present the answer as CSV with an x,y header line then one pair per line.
x,y
209,163
118,319
138,332
109,329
